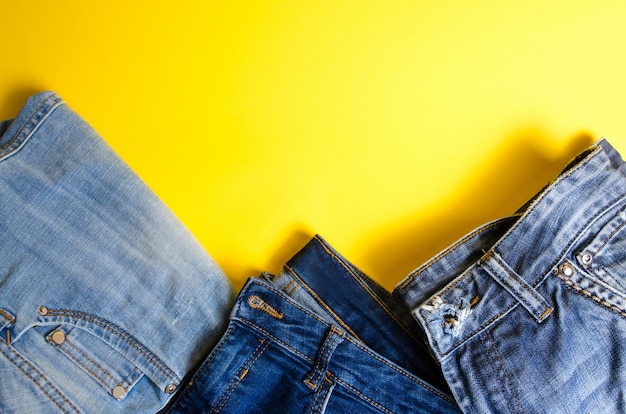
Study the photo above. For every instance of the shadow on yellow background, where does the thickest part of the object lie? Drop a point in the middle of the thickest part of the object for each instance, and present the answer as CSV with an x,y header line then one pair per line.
x,y
390,128
513,173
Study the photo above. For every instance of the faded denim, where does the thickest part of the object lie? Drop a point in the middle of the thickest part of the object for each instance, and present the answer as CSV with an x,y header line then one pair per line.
x,y
106,301
528,313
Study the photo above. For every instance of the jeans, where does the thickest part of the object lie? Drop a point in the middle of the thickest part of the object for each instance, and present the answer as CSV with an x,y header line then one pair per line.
x,y
528,313
319,337
106,301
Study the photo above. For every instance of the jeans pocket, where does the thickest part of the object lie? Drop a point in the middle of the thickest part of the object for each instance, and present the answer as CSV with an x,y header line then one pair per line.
x,y
105,351
116,374
604,255
598,268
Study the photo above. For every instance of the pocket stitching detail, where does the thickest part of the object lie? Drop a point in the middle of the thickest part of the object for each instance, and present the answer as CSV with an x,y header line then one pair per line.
x,y
595,298
125,336
43,377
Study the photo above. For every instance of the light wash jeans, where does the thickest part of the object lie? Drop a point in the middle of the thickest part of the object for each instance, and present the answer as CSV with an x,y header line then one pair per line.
x,y
106,301
528,313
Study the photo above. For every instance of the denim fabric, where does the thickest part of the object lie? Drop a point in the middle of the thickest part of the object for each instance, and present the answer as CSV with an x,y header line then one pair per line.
x,y
106,301
319,278
277,356
528,313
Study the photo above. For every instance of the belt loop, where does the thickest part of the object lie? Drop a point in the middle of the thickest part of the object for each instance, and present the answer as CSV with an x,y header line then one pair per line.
x,y
333,338
6,321
516,286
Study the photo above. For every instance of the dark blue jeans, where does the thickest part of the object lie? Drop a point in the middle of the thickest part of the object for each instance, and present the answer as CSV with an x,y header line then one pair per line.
x,y
319,337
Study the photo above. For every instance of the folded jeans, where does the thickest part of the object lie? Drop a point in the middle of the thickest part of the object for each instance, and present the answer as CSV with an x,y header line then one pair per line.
x,y
103,292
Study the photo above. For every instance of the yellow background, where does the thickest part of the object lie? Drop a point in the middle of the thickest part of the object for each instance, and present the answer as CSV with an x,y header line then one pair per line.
x,y
389,127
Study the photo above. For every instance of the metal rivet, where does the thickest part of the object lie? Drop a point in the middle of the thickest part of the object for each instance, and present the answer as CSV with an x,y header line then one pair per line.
x,y
566,270
118,392
58,337
43,311
170,388
587,258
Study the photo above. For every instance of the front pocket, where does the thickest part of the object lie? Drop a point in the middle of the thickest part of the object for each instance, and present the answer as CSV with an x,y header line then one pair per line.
x,y
109,368
604,256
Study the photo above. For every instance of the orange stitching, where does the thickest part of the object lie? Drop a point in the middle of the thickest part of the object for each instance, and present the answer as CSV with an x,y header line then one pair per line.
x,y
322,303
363,396
278,341
256,302
327,391
594,297
8,316
323,359
240,374
398,370
368,292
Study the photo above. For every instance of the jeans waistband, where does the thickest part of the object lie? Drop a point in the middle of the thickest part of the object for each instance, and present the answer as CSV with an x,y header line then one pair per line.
x,y
328,349
501,265
360,306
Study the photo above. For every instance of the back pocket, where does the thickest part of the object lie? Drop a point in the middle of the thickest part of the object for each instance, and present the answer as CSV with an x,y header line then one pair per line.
x,y
604,257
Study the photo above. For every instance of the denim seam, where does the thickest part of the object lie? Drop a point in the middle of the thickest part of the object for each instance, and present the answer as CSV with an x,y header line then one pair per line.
x,y
398,370
323,359
275,339
358,345
120,333
404,285
104,372
548,310
595,298
573,240
8,317
360,394
506,374
239,375
31,125
291,288
206,363
481,327
43,377
368,292
321,302
295,304
317,395
610,236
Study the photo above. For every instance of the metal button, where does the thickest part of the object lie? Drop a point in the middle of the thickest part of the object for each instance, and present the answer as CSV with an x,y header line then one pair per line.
x,y
58,337
170,388
586,258
566,270
118,392
43,311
